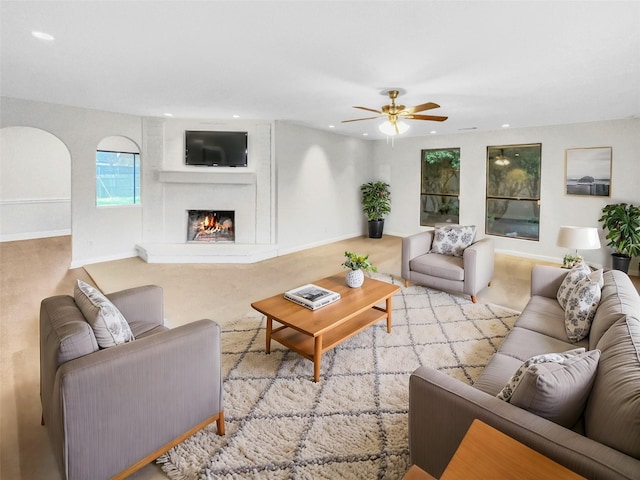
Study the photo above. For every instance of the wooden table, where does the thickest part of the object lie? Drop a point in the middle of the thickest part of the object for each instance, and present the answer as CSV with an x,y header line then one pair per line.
x,y
488,453
312,332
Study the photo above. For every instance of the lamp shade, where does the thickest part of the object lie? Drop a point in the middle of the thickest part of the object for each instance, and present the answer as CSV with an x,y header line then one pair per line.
x,y
579,238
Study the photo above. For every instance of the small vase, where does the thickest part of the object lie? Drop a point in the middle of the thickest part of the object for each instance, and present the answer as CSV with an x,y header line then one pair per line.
x,y
355,278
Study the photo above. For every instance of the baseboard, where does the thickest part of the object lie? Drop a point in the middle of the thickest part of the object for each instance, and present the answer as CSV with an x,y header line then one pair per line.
x,y
14,237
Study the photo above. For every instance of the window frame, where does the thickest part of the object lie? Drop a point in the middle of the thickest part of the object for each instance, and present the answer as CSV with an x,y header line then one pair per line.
x,y
136,195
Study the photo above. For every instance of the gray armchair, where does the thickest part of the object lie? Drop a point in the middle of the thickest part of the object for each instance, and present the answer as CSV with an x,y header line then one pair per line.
x,y
467,274
111,411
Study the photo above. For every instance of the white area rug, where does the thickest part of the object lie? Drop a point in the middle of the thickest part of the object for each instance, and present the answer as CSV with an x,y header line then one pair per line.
x,y
352,424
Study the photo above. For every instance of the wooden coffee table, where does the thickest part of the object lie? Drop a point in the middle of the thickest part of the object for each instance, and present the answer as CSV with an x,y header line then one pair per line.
x,y
312,332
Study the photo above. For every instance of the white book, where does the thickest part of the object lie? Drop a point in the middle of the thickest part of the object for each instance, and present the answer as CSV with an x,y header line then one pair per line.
x,y
312,296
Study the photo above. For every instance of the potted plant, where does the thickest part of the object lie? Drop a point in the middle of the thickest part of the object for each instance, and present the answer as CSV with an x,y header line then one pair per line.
x,y
623,224
376,203
357,265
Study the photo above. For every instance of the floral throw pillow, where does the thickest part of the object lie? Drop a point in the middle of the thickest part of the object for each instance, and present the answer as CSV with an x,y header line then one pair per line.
x,y
581,306
108,324
452,239
506,393
577,273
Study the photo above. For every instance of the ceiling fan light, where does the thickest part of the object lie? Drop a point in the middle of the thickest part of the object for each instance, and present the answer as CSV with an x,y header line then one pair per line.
x,y
389,128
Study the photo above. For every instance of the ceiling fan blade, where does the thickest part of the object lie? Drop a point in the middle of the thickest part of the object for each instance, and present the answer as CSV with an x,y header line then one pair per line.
x,y
420,108
369,109
358,119
433,118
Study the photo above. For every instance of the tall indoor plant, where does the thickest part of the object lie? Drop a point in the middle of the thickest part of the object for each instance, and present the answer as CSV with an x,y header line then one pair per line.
x,y
376,203
622,221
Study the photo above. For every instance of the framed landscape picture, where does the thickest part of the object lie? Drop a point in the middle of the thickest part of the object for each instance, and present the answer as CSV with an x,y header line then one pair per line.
x,y
588,171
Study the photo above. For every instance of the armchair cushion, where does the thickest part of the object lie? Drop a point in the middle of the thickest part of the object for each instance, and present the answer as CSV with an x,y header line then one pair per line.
x,y
452,239
108,324
441,266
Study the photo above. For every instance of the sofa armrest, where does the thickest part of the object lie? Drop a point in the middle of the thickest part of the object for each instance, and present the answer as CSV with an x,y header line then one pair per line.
x,y
546,280
478,260
442,408
143,307
413,246
121,404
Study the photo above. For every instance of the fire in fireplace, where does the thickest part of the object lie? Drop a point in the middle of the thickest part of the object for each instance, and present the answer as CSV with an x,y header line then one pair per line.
x,y
210,226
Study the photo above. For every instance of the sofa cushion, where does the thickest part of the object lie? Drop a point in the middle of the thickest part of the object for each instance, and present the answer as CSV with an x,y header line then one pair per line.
x,y
557,391
524,344
108,324
452,239
612,415
618,298
497,373
544,315
570,281
441,266
581,306
516,378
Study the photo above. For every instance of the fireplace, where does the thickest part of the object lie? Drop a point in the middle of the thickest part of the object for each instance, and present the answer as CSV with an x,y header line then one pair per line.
x,y
211,226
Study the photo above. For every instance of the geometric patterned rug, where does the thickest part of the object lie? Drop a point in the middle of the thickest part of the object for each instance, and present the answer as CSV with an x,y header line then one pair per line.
x,y
352,424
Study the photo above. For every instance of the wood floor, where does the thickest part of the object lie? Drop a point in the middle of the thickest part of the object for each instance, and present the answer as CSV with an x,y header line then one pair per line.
x,y
34,269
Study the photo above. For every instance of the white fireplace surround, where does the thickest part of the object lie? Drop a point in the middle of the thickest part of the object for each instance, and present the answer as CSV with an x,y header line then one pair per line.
x,y
171,188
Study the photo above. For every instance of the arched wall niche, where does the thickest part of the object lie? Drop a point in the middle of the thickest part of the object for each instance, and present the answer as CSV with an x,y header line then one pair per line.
x,y
35,184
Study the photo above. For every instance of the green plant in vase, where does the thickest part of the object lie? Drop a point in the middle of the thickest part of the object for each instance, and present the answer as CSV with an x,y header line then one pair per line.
x,y
357,265
622,221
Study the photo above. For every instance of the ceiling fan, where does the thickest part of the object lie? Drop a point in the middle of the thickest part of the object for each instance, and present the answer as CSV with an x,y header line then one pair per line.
x,y
395,113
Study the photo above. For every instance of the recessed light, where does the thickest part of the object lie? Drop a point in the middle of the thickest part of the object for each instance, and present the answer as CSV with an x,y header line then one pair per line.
x,y
505,125
236,116
433,131
168,114
365,134
332,126
43,36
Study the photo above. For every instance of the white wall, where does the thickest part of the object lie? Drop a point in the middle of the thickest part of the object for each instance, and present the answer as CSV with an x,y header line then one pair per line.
x,y
557,209
318,186
98,234
246,190
35,184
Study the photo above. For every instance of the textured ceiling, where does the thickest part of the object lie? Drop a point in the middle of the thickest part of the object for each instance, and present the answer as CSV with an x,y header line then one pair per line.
x,y
525,63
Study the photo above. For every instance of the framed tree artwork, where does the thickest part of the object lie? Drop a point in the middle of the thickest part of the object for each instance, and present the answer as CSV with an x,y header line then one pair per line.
x,y
588,171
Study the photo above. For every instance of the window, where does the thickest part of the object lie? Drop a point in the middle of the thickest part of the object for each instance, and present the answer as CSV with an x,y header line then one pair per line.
x,y
440,186
513,191
117,178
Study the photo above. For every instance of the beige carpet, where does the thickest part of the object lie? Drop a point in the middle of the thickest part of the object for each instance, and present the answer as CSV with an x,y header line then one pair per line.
x,y
351,424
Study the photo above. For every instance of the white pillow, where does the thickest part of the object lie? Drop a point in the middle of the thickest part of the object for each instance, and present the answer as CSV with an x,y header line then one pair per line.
x,y
108,324
581,306
452,239
570,281
514,381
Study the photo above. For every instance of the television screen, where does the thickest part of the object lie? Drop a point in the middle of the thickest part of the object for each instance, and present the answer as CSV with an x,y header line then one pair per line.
x,y
216,149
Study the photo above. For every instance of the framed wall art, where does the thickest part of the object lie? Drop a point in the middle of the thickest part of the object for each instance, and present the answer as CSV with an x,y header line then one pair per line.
x,y
588,171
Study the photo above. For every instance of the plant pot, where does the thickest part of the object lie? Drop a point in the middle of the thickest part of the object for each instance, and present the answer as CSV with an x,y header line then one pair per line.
x,y
355,278
375,228
620,262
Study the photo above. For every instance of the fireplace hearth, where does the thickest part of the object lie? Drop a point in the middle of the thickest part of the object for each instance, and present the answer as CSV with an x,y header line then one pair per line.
x,y
217,226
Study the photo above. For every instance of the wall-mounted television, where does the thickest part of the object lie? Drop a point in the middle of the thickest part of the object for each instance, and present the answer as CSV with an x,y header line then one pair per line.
x,y
216,149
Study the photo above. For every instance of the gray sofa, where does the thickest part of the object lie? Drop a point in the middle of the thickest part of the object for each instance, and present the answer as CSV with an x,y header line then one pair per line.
x,y
604,444
110,411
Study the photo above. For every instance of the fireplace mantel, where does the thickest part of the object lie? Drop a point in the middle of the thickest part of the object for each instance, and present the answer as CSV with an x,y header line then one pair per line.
x,y
220,178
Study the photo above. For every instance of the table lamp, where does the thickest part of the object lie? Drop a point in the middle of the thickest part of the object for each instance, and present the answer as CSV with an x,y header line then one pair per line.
x,y
577,238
